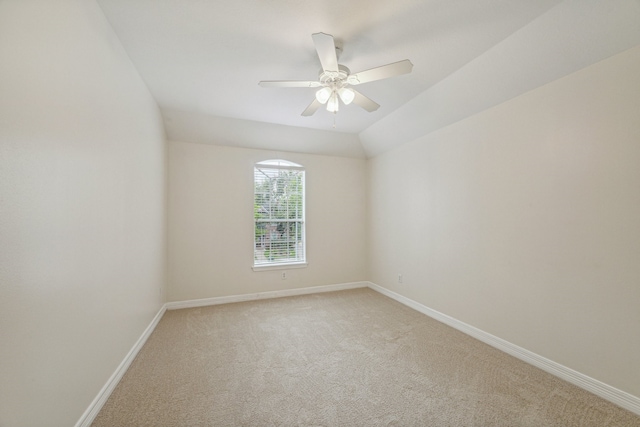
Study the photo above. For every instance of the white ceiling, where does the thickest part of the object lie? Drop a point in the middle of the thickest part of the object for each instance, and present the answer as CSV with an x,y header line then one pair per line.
x,y
202,61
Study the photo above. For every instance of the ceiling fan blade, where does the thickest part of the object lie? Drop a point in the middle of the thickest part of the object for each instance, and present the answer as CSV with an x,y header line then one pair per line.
x,y
289,83
312,108
364,102
379,73
326,48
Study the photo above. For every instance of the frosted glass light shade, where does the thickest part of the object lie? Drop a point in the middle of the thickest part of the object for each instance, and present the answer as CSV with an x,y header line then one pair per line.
x,y
346,95
323,95
333,104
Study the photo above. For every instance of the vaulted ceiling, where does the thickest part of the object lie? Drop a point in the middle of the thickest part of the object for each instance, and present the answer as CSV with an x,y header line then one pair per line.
x,y
202,61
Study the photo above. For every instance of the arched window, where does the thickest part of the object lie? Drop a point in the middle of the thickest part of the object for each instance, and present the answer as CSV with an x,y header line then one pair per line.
x,y
278,212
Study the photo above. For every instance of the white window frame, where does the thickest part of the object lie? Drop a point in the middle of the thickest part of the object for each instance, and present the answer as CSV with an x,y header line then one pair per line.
x,y
279,164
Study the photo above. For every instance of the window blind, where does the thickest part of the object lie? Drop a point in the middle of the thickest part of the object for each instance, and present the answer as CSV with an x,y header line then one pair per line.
x,y
279,236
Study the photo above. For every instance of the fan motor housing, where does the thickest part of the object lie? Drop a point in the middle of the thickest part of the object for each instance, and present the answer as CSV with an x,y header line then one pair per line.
x,y
328,77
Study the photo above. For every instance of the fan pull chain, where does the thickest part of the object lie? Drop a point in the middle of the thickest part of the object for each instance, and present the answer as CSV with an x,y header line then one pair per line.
x,y
334,120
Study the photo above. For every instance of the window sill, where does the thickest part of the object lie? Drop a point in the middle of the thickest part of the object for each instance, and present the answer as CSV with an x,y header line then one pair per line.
x,y
266,267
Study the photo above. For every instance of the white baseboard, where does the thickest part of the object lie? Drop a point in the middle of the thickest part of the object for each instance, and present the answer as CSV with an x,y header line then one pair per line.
x,y
263,295
94,408
619,397
612,394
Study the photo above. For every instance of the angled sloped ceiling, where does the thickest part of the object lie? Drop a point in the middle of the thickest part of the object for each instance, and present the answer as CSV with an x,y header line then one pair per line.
x,y
569,37
206,129
202,62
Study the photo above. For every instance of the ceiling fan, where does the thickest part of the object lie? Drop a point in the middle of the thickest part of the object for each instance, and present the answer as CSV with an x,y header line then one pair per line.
x,y
335,80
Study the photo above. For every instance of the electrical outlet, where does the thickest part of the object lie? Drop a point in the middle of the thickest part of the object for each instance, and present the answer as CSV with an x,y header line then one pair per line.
x,y
400,278
284,275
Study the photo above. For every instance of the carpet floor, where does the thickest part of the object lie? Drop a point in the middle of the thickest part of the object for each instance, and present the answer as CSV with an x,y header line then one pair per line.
x,y
348,358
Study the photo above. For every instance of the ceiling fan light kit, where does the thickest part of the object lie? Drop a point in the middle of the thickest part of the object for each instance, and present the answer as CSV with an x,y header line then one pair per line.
x,y
346,95
323,95
333,105
335,79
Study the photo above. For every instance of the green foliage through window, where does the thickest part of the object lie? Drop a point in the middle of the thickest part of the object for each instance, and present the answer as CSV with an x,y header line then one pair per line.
x,y
278,213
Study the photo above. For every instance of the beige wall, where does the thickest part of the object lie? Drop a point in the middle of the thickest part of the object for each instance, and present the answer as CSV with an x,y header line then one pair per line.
x,y
211,222
524,221
82,241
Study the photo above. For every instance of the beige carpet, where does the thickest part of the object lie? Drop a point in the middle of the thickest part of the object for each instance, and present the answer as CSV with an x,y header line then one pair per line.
x,y
350,358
